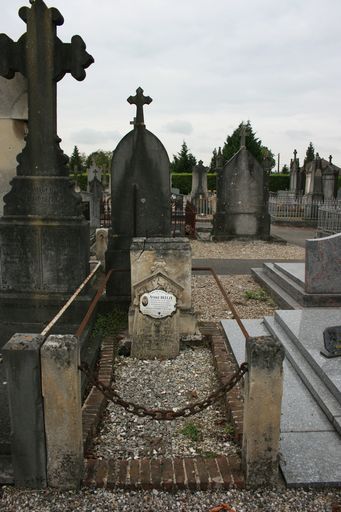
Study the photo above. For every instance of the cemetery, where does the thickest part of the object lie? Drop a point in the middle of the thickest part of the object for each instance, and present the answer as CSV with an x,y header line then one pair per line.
x,y
152,341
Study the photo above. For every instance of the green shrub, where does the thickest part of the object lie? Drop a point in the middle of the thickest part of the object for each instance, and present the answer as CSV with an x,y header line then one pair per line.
x,y
279,182
256,295
80,179
183,181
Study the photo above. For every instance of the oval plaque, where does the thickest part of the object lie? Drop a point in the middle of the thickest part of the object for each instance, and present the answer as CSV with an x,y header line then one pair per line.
x,y
157,304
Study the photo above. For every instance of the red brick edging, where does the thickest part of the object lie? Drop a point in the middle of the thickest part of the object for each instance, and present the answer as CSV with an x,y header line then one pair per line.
x,y
168,474
225,366
95,402
171,474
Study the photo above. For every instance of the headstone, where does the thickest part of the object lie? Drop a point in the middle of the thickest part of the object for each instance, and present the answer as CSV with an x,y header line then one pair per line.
x,y
295,179
13,127
94,172
323,265
140,197
199,181
96,196
242,198
161,296
44,239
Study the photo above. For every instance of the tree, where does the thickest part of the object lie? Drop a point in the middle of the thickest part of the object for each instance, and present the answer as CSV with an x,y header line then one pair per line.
x,y
101,158
184,161
267,153
77,161
252,143
213,163
310,153
285,169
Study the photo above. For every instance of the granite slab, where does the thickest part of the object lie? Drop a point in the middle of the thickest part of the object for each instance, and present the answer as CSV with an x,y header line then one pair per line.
x,y
296,271
305,327
311,458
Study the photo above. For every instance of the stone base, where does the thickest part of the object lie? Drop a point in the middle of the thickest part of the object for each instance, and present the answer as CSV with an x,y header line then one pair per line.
x,y
117,257
155,338
239,225
40,255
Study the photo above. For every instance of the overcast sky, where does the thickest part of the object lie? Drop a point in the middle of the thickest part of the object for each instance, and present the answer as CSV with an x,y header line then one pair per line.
x,y
208,65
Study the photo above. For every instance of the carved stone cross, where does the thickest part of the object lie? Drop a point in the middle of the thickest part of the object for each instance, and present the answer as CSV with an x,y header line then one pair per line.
x,y
44,59
139,100
295,153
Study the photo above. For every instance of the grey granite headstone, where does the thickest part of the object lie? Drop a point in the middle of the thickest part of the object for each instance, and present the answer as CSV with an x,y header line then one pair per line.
x,y
242,197
96,195
323,265
140,195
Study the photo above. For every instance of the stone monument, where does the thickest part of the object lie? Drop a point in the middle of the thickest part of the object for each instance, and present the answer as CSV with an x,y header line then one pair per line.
x,y
44,239
160,311
199,181
242,197
140,197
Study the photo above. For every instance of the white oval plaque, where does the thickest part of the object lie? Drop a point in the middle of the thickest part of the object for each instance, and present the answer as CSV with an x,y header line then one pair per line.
x,y
157,304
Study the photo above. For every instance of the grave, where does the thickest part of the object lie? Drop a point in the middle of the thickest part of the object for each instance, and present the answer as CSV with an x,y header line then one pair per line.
x,y
96,195
44,239
315,283
161,309
140,197
242,198
199,182
311,407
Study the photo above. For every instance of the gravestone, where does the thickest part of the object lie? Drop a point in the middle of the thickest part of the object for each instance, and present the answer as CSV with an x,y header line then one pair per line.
x,y
44,239
13,126
242,198
96,196
295,177
94,172
140,197
199,181
160,311
323,265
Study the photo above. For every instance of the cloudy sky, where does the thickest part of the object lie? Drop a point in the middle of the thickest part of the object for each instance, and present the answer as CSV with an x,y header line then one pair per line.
x,y
208,65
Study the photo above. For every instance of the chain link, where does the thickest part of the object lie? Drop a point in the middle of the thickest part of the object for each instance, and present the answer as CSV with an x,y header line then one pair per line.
x,y
164,414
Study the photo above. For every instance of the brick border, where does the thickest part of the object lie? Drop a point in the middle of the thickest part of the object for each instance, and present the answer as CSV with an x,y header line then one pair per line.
x,y
225,366
95,402
167,474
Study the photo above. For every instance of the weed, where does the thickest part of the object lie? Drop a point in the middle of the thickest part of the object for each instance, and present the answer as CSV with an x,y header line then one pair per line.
x,y
110,324
191,431
256,295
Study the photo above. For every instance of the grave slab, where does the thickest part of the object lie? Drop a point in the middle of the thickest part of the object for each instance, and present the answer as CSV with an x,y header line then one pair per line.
x,y
295,271
323,265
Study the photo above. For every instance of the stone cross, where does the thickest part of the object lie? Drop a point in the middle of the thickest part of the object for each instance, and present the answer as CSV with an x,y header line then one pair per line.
x,y
330,158
295,153
139,100
44,60
243,133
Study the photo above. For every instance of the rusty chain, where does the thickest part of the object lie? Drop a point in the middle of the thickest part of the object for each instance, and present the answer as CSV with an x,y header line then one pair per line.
x,y
164,414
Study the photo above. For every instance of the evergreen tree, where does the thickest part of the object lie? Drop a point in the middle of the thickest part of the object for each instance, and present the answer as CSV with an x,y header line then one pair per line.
x,y
310,153
213,163
77,161
267,153
252,143
285,169
184,161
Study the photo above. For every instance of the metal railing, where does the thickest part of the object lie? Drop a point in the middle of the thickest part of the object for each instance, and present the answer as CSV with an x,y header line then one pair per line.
x,y
329,220
291,208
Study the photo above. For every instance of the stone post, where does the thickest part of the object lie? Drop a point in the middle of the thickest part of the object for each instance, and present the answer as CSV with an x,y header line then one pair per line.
x,y
61,384
22,359
262,411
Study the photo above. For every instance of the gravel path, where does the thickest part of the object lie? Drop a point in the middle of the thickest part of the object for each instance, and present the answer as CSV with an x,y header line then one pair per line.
x,y
188,377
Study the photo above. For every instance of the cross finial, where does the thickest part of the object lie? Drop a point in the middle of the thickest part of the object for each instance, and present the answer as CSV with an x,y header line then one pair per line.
x,y
330,158
139,100
295,153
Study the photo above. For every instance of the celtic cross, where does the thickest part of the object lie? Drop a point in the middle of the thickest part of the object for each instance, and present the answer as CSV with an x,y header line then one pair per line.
x,y
44,60
139,100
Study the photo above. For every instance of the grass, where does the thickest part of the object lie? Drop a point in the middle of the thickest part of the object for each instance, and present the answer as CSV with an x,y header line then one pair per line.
x,y
256,295
191,431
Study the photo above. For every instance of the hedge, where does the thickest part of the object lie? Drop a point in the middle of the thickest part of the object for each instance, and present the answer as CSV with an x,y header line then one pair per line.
x,y
183,181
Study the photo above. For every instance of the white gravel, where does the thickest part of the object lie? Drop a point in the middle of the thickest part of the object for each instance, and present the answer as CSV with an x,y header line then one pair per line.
x,y
256,249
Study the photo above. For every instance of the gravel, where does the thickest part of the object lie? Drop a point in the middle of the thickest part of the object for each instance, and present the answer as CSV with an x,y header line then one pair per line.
x,y
181,381
189,377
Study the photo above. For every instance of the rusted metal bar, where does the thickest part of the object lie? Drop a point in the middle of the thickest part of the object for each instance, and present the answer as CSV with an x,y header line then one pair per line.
x,y
94,301
70,301
226,297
